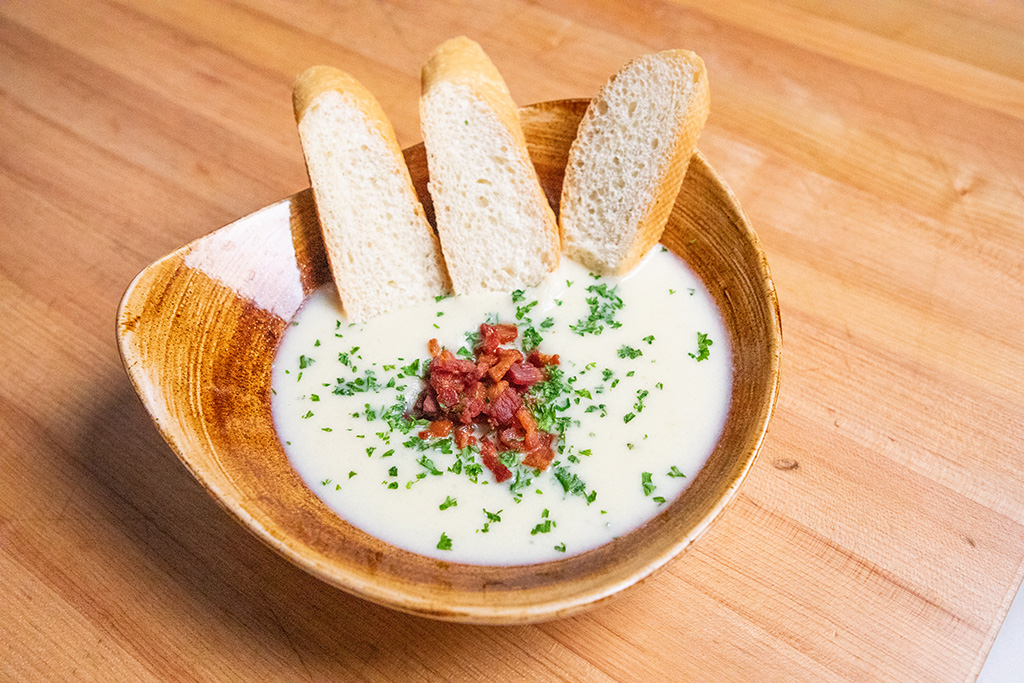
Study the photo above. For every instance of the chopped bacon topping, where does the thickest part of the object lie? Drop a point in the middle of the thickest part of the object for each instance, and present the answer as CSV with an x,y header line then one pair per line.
x,y
506,358
493,336
437,429
487,395
541,456
542,360
503,409
464,436
489,456
524,374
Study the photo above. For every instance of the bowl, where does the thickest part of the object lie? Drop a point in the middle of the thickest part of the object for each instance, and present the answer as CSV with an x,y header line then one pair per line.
x,y
197,332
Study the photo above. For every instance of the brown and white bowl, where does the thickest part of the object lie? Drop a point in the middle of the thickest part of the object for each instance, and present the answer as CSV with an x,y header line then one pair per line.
x,y
198,330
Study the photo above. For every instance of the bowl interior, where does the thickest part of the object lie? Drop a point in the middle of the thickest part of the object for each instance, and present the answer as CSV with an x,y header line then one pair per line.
x,y
198,329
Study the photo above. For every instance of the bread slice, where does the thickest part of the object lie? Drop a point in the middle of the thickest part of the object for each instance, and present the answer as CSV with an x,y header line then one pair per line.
x,y
497,230
383,253
629,157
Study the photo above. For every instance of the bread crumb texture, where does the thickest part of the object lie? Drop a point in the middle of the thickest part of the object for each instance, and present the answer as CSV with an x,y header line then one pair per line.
x,y
627,162
382,251
497,230
491,214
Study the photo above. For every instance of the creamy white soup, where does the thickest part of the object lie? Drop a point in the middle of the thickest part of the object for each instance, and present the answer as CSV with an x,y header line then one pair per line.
x,y
635,404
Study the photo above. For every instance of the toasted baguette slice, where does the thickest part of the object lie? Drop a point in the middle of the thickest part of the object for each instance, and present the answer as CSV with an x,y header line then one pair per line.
x,y
496,227
383,253
629,157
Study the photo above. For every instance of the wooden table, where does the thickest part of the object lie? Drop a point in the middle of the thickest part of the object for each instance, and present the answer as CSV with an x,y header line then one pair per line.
x,y
878,148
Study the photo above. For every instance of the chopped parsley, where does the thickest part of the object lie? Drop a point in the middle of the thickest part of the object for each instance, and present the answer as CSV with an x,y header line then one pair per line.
x,y
368,382
626,351
648,485
531,339
570,481
545,526
641,394
521,311
674,472
703,347
492,517
445,543
603,306
428,465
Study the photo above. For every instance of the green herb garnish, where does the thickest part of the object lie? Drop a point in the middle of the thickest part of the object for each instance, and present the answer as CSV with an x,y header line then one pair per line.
x,y
603,307
703,347
428,465
649,486
626,351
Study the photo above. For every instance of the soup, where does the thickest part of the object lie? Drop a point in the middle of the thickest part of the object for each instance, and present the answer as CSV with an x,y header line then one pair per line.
x,y
635,403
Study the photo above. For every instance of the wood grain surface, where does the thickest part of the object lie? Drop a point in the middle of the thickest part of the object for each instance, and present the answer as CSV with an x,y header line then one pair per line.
x,y
878,149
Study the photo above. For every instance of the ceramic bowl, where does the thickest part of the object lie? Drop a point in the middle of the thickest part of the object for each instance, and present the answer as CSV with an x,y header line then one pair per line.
x,y
198,329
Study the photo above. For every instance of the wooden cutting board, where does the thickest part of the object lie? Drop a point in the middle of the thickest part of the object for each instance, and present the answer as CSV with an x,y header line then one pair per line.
x,y
878,149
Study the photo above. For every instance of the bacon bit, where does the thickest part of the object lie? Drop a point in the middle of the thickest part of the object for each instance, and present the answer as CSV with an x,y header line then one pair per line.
x,y
446,386
530,440
506,359
426,404
447,362
475,403
440,428
541,360
464,436
489,456
493,336
525,375
502,410
484,362
450,377
525,418
541,456
496,390
511,438
488,392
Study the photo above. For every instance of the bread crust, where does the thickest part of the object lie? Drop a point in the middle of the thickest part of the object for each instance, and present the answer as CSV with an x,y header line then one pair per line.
x,y
363,298
317,80
462,62
642,230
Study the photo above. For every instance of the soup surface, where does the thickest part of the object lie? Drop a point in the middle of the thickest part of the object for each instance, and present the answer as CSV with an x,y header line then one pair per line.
x,y
637,401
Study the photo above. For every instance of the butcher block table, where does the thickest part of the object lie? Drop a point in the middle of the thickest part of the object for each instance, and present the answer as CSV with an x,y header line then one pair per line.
x,y
878,149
